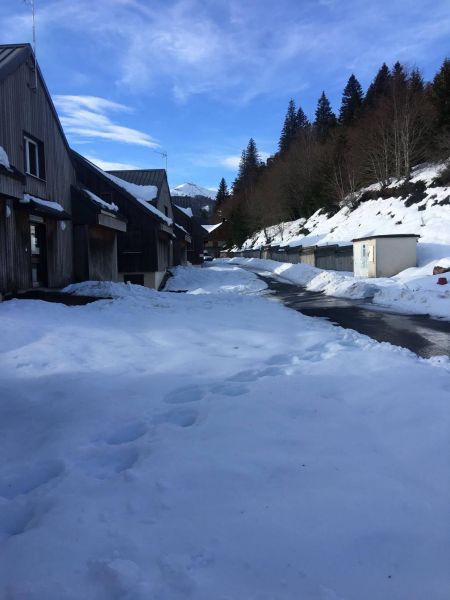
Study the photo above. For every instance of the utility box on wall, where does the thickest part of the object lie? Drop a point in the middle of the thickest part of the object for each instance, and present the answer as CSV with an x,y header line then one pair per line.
x,y
384,255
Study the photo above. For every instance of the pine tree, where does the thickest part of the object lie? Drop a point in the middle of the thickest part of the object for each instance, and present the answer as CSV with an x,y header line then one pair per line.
x,y
302,120
325,118
289,128
415,82
379,87
440,94
352,99
222,193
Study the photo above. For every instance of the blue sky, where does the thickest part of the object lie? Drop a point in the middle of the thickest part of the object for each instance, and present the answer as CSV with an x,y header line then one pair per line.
x,y
198,78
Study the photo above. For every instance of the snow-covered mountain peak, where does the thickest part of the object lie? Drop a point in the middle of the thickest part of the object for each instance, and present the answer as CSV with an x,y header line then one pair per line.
x,y
192,190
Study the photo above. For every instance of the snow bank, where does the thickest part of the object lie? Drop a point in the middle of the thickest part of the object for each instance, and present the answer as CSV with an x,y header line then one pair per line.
x,y
110,289
412,291
195,446
429,218
214,280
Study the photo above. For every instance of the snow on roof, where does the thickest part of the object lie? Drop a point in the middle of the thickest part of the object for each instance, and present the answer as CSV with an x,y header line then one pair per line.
x,y
187,211
182,228
27,198
4,160
144,194
108,206
211,228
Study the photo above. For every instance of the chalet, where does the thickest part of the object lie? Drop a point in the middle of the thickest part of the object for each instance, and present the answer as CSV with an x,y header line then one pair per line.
x,y
95,224
215,242
51,231
36,174
185,218
142,198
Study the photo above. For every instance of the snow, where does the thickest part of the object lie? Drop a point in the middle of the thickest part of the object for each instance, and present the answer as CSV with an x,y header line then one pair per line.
x,y
205,446
107,205
4,160
211,228
27,198
413,291
144,194
187,211
222,279
387,216
192,190
182,228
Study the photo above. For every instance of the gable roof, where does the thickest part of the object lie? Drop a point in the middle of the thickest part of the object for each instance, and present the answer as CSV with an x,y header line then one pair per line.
x,y
111,180
12,56
154,177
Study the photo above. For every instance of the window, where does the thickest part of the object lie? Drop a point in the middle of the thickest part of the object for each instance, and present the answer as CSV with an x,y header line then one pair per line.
x,y
34,157
166,211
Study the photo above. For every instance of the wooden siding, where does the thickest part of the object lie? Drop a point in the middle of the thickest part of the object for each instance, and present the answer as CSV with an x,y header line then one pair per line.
x,y
25,110
137,247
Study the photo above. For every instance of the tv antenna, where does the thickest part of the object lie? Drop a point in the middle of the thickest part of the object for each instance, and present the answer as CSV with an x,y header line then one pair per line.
x,y
33,16
163,154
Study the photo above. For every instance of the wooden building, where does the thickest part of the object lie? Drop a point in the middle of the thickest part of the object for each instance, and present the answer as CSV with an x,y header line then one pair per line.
x,y
36,174
95,225
185,218
145,249
215,242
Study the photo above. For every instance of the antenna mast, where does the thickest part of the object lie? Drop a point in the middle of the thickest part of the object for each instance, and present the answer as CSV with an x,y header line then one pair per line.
x,y
33,16
163,154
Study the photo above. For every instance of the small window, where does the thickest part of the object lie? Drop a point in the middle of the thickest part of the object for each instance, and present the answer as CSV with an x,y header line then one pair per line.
x,y
34,157
166,211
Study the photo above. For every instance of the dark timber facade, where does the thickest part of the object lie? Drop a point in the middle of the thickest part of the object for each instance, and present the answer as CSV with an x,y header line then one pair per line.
x,y
35,199
145,250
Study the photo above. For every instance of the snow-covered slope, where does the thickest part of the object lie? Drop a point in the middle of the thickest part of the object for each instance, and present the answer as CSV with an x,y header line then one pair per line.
x,y
192,190
429,217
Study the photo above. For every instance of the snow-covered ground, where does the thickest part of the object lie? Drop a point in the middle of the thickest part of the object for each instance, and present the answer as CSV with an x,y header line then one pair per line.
x,y
429,218
216,446
412,291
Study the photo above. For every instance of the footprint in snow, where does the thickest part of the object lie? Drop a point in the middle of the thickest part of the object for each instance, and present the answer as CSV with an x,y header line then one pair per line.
x,y
25,479
230,389
107,462
183,417
128,432
187,394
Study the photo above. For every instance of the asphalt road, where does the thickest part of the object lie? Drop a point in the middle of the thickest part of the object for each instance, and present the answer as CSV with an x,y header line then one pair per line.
x,y
425,336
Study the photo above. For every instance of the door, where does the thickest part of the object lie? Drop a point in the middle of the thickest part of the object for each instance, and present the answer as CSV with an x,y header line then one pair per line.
x,y
38,254
364,256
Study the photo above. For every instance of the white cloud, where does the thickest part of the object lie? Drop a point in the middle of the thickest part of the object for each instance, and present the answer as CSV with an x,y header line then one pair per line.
x,y
85,117
238,50
106,165
231,162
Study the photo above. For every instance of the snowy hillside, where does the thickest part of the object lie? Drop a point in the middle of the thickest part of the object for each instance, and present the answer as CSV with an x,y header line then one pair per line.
x,y
422,207
192,190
